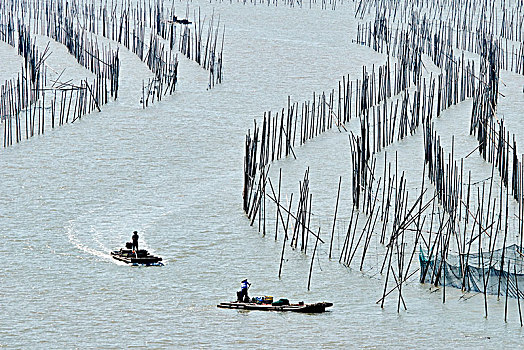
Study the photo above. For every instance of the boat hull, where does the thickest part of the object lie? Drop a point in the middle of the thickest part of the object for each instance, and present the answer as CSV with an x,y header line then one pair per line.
x,y
143,258
304,308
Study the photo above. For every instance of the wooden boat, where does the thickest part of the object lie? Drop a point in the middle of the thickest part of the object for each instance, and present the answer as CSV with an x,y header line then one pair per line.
x,y
300,307
136,258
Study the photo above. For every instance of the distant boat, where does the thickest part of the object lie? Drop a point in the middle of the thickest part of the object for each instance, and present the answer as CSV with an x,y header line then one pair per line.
x,y
300,307
183,21
140,257
179,20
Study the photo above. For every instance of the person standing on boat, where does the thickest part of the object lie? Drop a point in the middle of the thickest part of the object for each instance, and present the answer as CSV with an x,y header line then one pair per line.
x,y
242,295
135,240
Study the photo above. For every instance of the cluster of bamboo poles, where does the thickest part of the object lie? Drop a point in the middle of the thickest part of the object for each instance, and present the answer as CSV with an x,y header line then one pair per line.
x,y
447,180
488,220
161,23
324,4
132,25
19,94
278,135
7,28
67,103
145,28
495,143
105,64
135,24
24,109
472,219
165,67
209,55
437,38
314,117
298,231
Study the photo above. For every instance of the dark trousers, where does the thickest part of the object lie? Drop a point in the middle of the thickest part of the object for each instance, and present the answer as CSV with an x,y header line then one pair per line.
x,y
135,245
242,295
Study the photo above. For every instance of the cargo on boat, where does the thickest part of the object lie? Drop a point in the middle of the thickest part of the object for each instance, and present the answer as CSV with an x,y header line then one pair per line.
x,y
277,306
136,257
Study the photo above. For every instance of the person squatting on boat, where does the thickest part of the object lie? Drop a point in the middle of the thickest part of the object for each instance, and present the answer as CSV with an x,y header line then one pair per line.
x,y
135,240
242,294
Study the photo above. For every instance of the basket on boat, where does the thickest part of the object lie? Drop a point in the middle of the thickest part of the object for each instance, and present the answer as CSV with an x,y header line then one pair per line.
x,y
268,299
280,302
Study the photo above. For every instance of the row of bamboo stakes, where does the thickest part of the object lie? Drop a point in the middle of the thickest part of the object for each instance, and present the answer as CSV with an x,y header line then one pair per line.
x,y
69,22
146,28
126,25
324,4
449,34
130,23
453,218
191,43
31,103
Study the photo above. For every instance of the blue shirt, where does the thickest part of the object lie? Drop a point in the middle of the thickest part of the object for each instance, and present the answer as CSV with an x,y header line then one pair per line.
x,y
244,285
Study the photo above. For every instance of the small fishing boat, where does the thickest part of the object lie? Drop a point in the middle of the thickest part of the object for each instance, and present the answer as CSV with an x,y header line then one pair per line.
x,y
140,257
300,307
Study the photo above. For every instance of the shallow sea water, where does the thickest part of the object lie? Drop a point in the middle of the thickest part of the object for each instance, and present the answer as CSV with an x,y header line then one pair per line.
x,y
174,173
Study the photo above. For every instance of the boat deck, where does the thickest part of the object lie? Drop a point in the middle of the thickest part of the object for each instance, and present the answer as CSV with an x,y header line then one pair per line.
x,y
142,257
306,308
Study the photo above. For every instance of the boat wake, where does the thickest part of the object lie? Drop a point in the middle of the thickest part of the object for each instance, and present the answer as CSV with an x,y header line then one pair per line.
x,y
82,246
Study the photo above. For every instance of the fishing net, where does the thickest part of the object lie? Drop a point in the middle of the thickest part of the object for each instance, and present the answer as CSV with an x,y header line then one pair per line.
x,y
477,272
